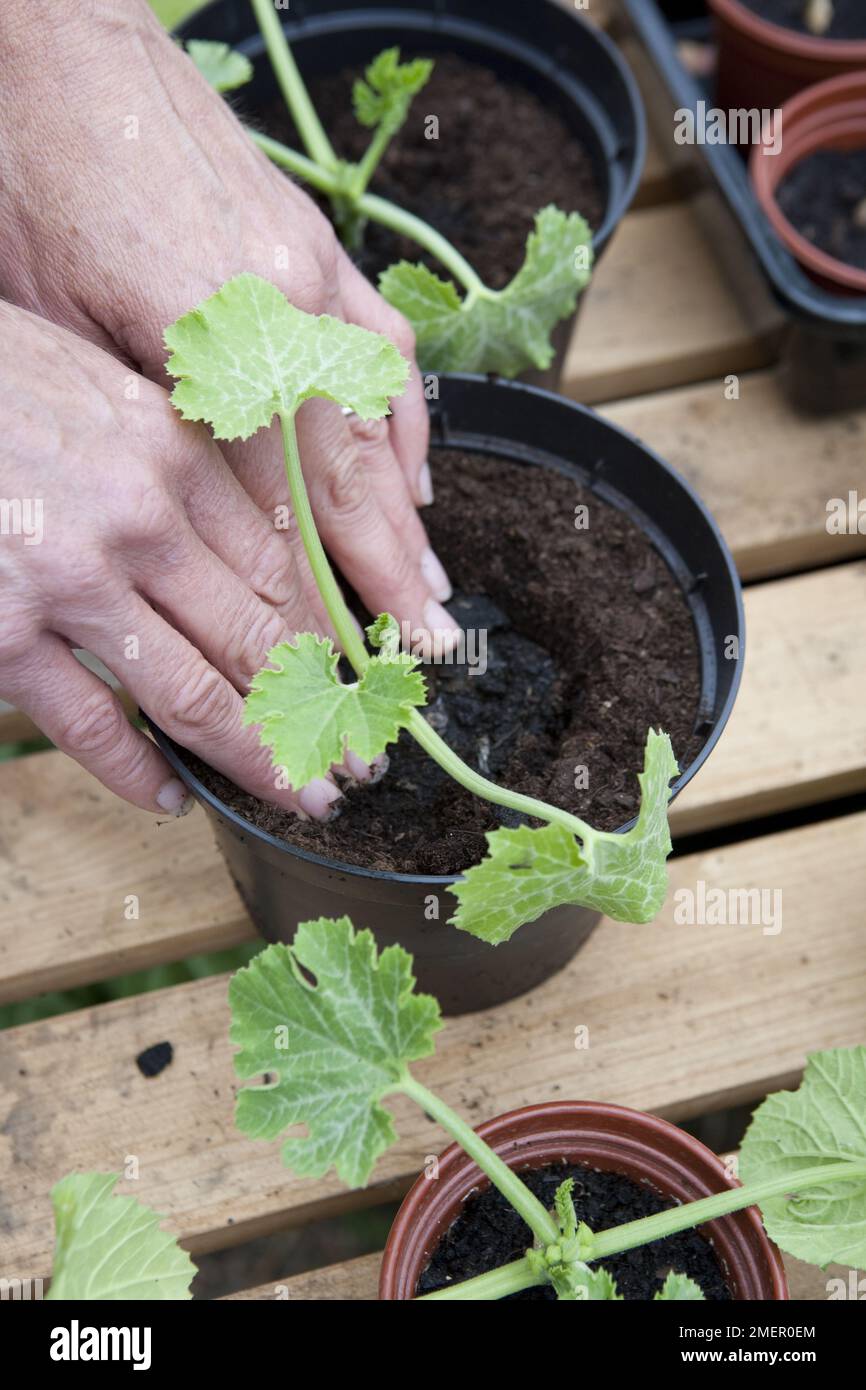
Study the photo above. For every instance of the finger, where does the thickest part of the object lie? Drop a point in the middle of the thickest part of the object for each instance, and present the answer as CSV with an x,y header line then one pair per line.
x,y
409,422
253,543
258,466
84,718
195,705
378,462
358,534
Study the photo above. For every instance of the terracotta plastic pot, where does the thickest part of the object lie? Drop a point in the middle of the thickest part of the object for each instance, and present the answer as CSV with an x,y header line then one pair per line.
x,y
762,64
829,116
609,1137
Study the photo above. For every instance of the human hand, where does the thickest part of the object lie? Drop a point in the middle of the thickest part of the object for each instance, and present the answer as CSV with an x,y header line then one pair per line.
x,y
127,553
130,192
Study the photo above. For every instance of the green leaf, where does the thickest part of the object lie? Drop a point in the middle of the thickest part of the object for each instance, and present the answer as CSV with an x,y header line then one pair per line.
x,y
679,1288
220,65
528,871
308,718
822,1122
564,1207
577,1283
246,352
385,96
335,1049
111,1247
505,331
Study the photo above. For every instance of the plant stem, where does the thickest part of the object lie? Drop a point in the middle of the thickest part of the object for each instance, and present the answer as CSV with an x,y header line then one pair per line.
x,y
447,759
524,1202
682,1218
365,170
664,1223
359,657
496,1283
328,587
378,210
292,86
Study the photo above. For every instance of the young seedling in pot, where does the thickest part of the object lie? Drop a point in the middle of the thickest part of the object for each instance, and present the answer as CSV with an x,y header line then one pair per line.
x,y
504,331
335,1026
246,355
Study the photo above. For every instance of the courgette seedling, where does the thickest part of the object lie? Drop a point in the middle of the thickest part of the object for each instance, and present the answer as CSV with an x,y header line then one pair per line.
x,y
332,1049
488,330
245,355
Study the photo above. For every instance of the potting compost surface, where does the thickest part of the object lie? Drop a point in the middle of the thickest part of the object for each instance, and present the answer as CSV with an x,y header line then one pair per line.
x,y
478,189
824,197
589,642
489,1233
848,22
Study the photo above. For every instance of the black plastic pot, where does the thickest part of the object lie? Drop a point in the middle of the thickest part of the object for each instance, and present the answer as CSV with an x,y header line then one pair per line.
x,y
282,885
565,60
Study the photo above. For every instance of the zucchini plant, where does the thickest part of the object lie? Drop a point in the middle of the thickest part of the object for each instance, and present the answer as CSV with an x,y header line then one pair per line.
x,y
485,330
246,355
334,1026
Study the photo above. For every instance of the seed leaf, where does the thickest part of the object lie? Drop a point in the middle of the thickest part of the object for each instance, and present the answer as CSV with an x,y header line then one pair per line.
x,y
679,1288
308,718
505,331
822,1122
221,66
335,1048
246,352
384,94
111,1247
527,871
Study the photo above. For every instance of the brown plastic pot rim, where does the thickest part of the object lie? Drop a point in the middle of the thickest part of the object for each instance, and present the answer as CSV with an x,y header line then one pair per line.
x,y
809,46
810,126
616,1133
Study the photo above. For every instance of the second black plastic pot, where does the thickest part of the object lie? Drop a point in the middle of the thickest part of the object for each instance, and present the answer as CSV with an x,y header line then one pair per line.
x,y
282,885
569,63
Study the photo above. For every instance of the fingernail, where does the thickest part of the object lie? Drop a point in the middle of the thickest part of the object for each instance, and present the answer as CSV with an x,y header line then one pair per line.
x,y
174,798
318,798
356,767
434,574
425,485
442,628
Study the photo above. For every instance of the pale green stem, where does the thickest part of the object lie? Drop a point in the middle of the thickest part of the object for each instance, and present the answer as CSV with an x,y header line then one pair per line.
x,y
681,1218
515,1192
322,573
365,170
497,1283
292,86
378,210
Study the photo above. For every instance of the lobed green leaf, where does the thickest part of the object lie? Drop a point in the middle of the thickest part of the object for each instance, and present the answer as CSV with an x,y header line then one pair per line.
x,y
246,353
335,1048
308,717
384,94
111,1247
223,67
505,331
822,1122
527,871
679,1288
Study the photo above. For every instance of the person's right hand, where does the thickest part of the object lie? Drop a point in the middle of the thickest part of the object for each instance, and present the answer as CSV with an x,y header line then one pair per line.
x,y
151,556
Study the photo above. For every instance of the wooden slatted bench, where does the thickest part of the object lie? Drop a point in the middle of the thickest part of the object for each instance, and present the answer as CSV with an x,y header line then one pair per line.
x,y
689,1020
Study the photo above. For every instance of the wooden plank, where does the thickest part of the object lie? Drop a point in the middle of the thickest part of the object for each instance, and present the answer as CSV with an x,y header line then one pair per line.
x,y
358,1281
74,853
661,311
76,860
681,1020
765,470
353,1281
797,734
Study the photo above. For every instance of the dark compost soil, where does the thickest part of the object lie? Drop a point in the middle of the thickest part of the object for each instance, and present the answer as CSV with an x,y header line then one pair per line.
x,y
821,196
849,17
501,155
489,1233
589,643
